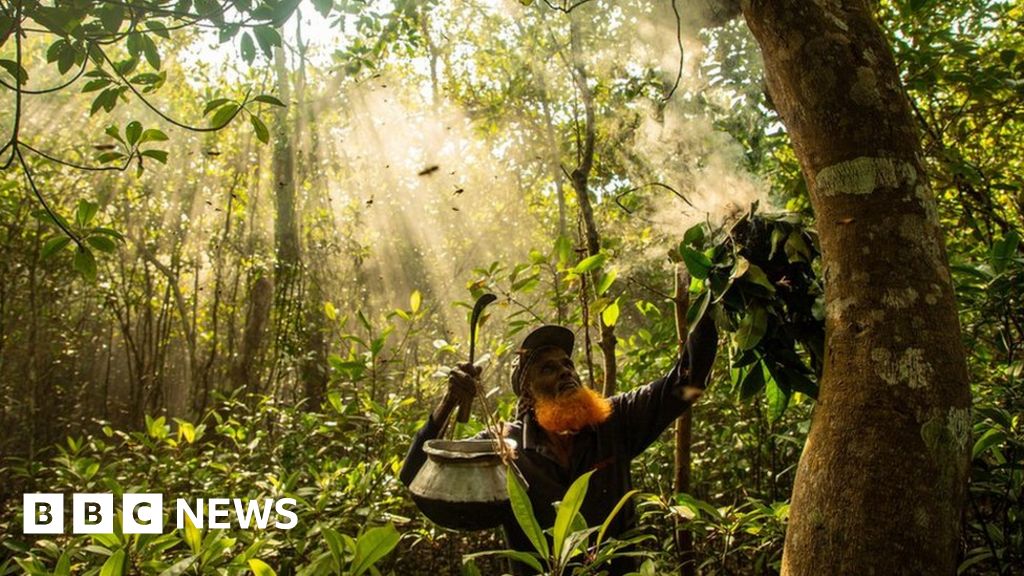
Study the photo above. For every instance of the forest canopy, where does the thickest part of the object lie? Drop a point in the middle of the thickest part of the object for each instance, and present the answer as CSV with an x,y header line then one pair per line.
x,y
240,242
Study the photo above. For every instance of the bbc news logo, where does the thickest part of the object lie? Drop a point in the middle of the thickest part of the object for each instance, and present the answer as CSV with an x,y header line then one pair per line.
x,y
144,513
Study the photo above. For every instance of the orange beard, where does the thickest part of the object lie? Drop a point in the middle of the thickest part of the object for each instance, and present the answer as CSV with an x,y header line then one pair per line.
x,y
572,411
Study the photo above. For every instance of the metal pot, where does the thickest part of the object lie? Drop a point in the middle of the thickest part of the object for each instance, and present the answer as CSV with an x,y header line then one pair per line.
x,y
462,484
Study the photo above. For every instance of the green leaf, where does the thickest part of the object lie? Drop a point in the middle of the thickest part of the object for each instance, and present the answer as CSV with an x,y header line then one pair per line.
x,y
107,157
330,311
268,99
755,275
739,268
283,10
606,282
66,58
523,511
611,517
563,250
260,568
334,542
17,72
109,232
158,155
214,104
778,399
53,52
260,128
694,235
1003,250
102,243
778,235
54,245
697,263
105,100
62,20
113,132
590,263
795,381
6,27
514,555
132,132
111,15
610,314
415,299
568,508
150,51
796,248
247,48
186,430
157,27
114,566
192,536
96,84
63,567
179,567
85,212
267,38
752,328
152,135
224,115
373,545
991,437
697,309
363,320
228,31
753,380
917,6
323,7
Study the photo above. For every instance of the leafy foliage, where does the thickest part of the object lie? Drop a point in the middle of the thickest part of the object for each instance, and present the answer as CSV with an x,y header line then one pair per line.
x,y
763,276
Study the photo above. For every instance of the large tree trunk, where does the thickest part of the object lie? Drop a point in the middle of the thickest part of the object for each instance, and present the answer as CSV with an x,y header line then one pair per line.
x,y
882,477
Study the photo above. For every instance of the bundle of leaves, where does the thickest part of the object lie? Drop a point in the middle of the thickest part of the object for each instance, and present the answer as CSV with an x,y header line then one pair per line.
x,y
761,278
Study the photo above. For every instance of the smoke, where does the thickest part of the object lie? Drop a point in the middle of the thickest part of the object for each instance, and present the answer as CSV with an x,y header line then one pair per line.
x,y
432,198
703,164
678,145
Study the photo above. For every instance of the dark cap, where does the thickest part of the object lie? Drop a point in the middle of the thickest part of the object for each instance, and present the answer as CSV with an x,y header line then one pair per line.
x,y
547,336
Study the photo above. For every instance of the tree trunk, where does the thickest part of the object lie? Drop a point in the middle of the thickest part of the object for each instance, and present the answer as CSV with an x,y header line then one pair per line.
x,y
683,432
286,235
882,478
288,264
580,177
244,373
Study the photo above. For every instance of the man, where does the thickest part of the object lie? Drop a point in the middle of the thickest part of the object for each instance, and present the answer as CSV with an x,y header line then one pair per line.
x,y
564,429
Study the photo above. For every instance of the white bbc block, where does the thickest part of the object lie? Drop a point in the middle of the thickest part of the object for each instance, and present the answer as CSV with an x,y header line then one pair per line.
x,y
44,513
142,513
92,513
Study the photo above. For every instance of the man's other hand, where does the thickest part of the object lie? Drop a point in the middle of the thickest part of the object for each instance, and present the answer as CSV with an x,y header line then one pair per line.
x,y
462,383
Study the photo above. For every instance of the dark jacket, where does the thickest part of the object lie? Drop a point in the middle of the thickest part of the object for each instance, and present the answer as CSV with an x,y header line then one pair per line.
x,y
638,417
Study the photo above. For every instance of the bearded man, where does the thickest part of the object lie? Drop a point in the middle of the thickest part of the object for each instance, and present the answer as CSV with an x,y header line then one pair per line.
x,y
564,429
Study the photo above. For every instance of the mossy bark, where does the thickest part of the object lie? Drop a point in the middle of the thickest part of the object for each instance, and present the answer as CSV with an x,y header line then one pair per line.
x,y
883,474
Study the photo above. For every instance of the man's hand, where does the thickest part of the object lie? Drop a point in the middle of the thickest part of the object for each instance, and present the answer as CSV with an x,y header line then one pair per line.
x,y
462,386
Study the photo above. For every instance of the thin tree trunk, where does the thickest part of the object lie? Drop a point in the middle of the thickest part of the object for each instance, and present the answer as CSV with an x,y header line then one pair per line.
x,y
684,431
881,482
580,177
313,364
244,373
288,266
